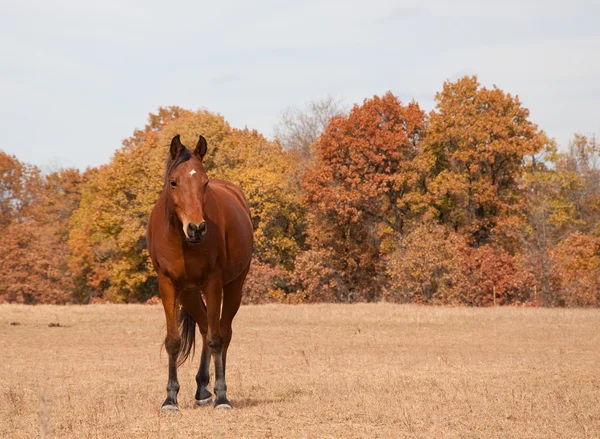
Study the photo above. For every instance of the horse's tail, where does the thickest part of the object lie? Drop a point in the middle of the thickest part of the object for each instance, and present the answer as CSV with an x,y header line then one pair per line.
x,y
187,330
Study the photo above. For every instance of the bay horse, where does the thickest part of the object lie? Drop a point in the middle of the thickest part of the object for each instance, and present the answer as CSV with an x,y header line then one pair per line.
x,y
200,240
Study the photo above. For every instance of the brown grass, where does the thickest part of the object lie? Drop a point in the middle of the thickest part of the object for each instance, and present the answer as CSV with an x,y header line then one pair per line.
x,y
307,371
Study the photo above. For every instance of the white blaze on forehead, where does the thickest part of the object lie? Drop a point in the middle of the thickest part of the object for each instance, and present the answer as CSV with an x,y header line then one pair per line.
x,y
192,172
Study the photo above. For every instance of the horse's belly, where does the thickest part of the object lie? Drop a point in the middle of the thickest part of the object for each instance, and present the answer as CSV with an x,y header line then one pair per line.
x,y
237,258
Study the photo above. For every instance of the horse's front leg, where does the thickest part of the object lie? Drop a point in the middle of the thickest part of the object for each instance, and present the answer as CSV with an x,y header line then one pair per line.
x,y
168,294
203,395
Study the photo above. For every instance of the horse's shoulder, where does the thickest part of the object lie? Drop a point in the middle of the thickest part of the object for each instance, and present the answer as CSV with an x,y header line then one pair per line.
x,y
229,192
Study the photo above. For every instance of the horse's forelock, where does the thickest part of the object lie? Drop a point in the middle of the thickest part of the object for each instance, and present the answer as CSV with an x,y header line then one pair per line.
x,y
183,156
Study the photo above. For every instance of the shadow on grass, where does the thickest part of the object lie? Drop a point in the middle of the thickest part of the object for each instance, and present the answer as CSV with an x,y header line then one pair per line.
x,y
256,402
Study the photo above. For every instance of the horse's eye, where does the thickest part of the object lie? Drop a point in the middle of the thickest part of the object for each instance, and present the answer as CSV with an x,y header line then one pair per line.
x,y
173,184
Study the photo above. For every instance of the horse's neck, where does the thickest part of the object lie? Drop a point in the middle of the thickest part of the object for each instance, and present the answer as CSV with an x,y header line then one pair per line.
x,y
170,222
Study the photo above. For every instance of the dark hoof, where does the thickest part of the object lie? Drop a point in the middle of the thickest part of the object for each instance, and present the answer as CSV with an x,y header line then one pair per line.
x,y
203,402
222,404
169,408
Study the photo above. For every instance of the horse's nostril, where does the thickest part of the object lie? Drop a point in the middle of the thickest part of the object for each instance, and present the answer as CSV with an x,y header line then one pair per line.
x,y
191,229
196,231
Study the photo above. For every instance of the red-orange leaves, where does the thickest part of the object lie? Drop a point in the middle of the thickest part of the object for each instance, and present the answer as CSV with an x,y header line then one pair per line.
x,y
366,157
367,169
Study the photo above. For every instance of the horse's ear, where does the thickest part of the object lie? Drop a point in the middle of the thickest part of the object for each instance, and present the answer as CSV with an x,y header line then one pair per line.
x,y
176,147
201,148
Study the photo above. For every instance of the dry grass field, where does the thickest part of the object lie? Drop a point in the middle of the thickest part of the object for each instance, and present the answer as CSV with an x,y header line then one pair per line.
x,y
321,371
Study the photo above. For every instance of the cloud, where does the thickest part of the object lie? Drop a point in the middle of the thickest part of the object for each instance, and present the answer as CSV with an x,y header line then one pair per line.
x,y
75,64
403,13
224,79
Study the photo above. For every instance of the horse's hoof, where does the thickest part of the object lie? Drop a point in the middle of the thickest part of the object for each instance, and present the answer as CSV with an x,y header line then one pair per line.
x,y
223,406
169,408
203,402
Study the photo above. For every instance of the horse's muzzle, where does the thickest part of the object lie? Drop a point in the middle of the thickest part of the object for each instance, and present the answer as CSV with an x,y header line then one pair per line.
x,y
195,233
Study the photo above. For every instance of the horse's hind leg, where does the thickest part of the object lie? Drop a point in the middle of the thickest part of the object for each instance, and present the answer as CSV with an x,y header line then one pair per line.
x,y
219,329
172,341
213,293
232,298
193,304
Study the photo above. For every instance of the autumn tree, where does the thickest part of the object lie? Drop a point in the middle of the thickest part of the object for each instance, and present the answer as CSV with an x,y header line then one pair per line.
x,y
366,182
549,193
266,175
428,266
33,264
480,140
436,265
472,205
562,198
108,235
583,159
33,245
576,261
19,187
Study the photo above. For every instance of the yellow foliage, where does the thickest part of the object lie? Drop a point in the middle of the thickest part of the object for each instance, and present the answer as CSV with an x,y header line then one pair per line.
x,y
107,236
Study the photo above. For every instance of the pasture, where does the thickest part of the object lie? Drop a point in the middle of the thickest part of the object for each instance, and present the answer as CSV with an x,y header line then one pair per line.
x,y
306,371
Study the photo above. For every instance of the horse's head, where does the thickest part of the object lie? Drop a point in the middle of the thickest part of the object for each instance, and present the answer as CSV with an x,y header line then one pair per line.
x,y
186,182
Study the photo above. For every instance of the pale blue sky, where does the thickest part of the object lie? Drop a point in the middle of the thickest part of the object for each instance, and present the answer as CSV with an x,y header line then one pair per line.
x,y
76,77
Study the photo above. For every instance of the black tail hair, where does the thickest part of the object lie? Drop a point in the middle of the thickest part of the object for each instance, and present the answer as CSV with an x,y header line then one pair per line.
x,y
187,330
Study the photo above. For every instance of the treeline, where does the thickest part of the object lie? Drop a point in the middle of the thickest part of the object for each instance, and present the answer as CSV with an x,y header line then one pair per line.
x,y
471,204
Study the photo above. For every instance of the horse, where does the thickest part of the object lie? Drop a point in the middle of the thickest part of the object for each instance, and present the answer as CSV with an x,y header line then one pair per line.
x,y
200,240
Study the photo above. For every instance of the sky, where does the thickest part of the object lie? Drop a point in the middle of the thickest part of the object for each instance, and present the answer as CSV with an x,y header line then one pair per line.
x,y
77,77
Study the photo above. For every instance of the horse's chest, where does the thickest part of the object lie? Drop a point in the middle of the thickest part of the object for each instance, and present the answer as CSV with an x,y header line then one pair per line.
x,y
191,268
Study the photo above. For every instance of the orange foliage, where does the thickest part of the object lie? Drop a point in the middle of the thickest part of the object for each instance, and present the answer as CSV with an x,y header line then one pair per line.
x,y
436,265
317,279
33,247
472,205
19,185
367,180
428,267
107,237
265,283
479,139
33,265
495,277
576,259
